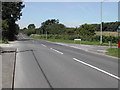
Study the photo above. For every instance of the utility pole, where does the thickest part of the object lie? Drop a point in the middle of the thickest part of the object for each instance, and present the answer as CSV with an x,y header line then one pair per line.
x,y
101,25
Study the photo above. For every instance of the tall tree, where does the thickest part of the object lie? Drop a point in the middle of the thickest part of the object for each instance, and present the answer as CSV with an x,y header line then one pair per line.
x,y
31,26
47,23
56,29
11,12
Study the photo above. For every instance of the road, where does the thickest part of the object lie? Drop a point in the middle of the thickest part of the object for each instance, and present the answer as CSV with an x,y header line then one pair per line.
x,y
42,64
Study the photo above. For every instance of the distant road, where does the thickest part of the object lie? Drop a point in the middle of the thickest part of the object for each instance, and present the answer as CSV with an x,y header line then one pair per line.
x,y
42,64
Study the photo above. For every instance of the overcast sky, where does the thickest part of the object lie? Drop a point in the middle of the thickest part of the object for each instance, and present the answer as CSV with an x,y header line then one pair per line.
x,y
71,14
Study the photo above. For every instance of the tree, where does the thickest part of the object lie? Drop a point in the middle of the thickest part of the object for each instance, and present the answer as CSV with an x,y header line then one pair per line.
x,y
11,12
47,23
31,26
56,29
86,30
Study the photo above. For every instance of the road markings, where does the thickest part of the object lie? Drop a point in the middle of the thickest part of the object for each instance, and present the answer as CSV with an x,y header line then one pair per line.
x,y
104,51
43,45
62,44
79,48
96,68
56,51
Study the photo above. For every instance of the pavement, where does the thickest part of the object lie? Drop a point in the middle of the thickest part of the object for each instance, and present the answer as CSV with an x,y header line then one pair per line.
x,y
7,65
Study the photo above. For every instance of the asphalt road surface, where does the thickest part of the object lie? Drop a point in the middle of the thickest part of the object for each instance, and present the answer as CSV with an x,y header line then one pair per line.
x,y
42,64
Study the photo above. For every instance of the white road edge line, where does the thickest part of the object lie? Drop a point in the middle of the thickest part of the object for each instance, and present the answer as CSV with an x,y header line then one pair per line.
x,y
97,69
56,51
43,45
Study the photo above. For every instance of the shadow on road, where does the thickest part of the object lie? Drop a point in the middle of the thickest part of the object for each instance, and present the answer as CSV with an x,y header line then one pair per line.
x,y
25,51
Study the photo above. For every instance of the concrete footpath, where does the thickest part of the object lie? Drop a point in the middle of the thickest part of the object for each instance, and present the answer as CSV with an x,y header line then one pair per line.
x,y
8,60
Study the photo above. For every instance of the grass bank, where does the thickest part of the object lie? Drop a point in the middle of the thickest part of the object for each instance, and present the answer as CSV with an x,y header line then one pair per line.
x,y
76,42
114,52
3,42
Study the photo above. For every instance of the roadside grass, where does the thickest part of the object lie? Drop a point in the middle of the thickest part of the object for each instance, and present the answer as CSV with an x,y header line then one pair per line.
x,y
0,41
3,42
113,52
76,42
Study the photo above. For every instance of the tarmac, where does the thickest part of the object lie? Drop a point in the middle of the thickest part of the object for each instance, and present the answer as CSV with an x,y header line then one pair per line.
x,y
7,59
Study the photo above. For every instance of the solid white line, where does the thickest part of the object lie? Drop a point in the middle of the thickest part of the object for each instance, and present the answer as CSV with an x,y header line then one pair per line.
x,y
97,68
56,51
43,45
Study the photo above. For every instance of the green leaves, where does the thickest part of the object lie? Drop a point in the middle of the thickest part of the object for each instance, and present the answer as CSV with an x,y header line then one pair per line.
x,y
56,29
31,26
11,12
86,30
45,25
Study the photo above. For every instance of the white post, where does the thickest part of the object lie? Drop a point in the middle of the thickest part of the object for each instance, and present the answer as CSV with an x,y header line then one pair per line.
x,y
46,34
109,44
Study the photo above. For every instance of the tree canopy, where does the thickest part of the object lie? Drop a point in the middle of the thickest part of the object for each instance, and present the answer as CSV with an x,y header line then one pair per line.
x,y
56,29
31,26
47,23
11,12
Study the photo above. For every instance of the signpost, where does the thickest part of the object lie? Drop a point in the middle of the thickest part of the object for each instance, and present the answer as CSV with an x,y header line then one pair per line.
x,y
77,40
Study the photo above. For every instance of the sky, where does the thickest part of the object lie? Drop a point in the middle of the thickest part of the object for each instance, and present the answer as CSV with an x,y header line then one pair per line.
x,y
71,14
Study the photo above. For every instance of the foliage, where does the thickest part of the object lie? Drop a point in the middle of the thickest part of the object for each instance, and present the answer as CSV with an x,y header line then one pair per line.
x,y
47,23
29,31
86,29
86,32
11,12
69,41
56,29
106,39
31,26
109,26
70,31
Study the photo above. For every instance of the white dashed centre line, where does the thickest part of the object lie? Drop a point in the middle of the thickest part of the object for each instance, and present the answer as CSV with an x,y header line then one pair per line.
x,y
43,45
56,51
96,68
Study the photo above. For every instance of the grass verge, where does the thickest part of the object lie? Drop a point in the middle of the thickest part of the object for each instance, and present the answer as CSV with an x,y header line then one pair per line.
x,y
3,42
113,52
76,42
